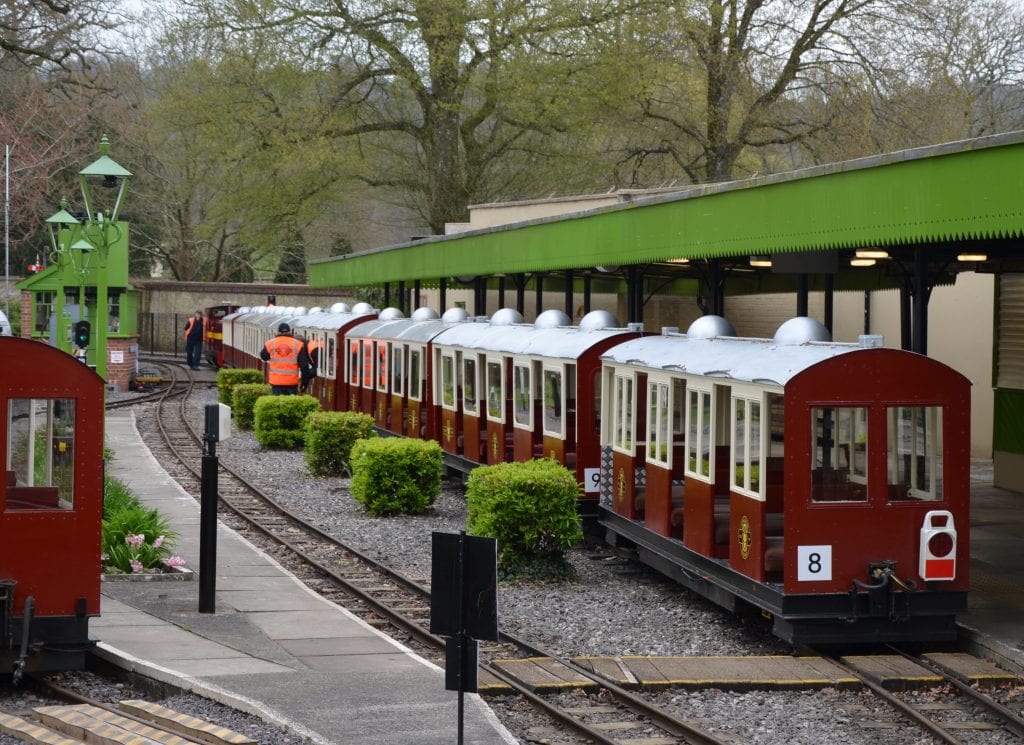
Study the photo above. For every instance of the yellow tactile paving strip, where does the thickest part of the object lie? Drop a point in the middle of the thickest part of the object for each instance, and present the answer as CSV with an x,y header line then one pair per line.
x,y
184,723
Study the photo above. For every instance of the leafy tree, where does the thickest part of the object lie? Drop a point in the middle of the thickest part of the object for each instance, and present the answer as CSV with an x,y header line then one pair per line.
x,y
53,33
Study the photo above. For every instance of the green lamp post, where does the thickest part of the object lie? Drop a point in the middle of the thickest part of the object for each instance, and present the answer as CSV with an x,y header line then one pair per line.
x,y
60,226
104,233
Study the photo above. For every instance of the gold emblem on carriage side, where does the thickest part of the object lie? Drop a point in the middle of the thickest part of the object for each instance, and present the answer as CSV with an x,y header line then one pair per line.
x,y
494,445
743,535
352,403
414,420
620,487
448,431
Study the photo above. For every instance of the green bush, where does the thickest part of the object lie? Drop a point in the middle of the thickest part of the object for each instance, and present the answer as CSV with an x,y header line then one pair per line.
x,y
134,539
280,421
229,377
330,436
530,508
243,399
395,476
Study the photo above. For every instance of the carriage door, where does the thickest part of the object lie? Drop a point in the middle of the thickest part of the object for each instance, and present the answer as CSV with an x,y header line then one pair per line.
x,y
473,427
620,406
525,432
399,411
447,373
554,420
415,422
499,437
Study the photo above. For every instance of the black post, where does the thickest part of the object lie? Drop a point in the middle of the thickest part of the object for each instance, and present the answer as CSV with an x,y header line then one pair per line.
x,y
401,296
501,292
416,288
208,527
463,639
521,293
801,295
830,294
569,309
586,293
920,335
442,288
387,294
538,280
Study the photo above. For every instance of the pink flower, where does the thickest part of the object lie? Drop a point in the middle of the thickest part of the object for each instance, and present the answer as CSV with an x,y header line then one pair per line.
x,y
174,561
136,566
135,540
158,542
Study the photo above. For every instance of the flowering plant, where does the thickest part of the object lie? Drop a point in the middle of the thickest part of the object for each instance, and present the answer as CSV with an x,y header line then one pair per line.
x,y
136,540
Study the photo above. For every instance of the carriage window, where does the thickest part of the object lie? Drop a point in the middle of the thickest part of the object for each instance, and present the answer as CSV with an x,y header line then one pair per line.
x,y
448,381
659,447
746,445
40,453
915,452
678,410
43,311
622,413
397,383
367,364
839,441
382,367
698,435
554,403
415,384
495,392
353,363
521,394
469,402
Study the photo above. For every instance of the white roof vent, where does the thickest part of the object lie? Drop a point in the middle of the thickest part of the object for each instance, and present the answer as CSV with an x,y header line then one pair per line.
x,y
871,341
362,309
423,313
390,314
506,317
454,315
552,319
598,319
710,326
341,308
801,330
316,309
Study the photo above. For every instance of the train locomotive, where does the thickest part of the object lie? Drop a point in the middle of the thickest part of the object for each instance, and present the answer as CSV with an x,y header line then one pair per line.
x,y
213,320
825,485
51,505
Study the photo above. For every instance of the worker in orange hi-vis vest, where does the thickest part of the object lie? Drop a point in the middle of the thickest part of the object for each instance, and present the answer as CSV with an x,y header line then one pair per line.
x,y
287,360
195,335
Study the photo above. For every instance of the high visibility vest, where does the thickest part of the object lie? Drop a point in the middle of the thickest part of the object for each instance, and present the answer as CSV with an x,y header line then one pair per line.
x,y
283,367
191,324
313,348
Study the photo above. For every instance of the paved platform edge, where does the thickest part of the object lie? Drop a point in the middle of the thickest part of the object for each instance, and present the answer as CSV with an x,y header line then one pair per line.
x,y
977,643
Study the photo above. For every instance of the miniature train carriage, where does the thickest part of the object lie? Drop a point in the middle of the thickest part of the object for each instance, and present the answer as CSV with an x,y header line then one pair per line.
x,y
513,391
826,484
326,328
387,366
214,332
51,503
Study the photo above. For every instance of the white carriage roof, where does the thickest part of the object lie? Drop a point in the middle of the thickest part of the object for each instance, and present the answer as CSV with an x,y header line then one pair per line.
x,y
748,360
328,320
565,342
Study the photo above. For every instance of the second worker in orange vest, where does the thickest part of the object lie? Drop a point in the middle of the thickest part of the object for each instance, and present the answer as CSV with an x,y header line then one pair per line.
x,y
287,360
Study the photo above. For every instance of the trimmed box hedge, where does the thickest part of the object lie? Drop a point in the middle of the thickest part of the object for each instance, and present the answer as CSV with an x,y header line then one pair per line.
x,y
396,476
229,377
330,436
280,421
243,399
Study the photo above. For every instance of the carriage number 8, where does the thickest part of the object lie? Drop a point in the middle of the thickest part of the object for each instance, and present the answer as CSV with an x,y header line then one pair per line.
x,y
814,563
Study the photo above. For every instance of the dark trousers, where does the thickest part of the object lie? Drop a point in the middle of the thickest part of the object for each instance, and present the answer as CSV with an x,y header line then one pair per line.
x,y
194,352
285,390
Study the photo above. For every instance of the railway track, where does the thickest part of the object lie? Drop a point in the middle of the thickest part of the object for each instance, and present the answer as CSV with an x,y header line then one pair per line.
x,y
63,716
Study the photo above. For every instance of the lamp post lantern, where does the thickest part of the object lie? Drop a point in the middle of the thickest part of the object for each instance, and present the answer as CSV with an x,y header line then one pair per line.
x,y
60,226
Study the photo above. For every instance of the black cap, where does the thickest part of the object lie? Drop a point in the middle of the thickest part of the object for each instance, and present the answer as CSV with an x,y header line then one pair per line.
x,y
284,328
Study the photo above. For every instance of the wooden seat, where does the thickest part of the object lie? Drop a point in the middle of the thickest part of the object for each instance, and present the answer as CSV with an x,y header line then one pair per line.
x,y
774,554
32,497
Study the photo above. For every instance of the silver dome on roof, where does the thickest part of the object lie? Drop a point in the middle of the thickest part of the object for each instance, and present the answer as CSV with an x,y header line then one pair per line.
x,y
424,313
341,308
390,314
244,309
801,330
598,319
709,326
362,309
453,315
552,319
316,309
301,310
506,317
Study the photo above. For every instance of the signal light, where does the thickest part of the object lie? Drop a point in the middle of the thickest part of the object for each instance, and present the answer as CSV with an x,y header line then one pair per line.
x,y
82,330
938,546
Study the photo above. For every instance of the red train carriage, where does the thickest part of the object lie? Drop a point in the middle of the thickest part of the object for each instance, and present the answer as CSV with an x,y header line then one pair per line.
x,y
51,503
515,391
215,334
825,484
327,329
388,366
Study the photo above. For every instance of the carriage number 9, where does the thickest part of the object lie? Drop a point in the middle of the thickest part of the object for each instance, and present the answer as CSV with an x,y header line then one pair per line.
x,y
591,480
814,563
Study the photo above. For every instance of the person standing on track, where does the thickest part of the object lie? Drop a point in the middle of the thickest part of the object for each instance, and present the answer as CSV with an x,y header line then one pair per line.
x,y
288,361
195,333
